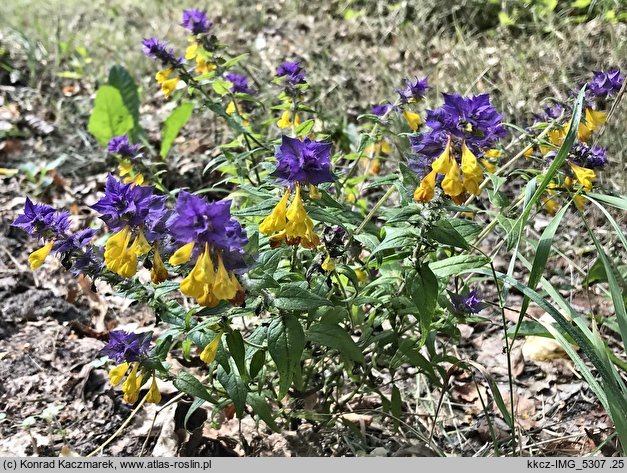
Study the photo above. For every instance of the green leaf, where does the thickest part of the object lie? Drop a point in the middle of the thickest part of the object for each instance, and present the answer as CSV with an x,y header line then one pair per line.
x,y
122,80
334,336
235,342
234,60
541,257
423,290
193,408
293,297
396,407
305,127
221,87
286,342
444,232
173,124
235,388
189,384
257,362
110,116
457,264
261,407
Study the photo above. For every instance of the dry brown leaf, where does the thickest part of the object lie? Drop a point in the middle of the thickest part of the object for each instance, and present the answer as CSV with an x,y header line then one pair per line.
x,y
542,349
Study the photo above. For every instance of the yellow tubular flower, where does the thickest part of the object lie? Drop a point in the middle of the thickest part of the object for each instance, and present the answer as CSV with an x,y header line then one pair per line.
x,y
210,351
199,281
314,193
153,396
426,190
116,374
585,176
284,121
132,385
140,246
167,85
223,287
182,255
328,265
125,167
451,184
117,256
591,122
413,119
473,175
276,221
158,273
191,51
490,167
299,228
37,257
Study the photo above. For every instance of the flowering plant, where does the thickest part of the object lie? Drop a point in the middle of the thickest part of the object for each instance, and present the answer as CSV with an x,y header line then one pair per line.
x,y
338,263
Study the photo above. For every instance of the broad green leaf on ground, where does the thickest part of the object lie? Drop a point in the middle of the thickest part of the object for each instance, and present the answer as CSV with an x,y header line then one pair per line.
x,y
122,80
110,116
173,124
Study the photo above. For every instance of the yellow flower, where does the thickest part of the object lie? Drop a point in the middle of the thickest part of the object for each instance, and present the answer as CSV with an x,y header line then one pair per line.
x,y
551,205
230,109
153,396
284,121
132,385
277,220
223,287
125,167
182,255
426,190
413,119
314,193
585,176
473,175
138,179
116,374
191,51
375,149
199,281
490,167
361,275
210,351
167,85
328,265
158,273
122,259
591,122
37,257
448,166
299,228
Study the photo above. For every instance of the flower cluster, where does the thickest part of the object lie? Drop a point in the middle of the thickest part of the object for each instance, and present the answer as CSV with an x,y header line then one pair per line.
x,y
129,350
52,226
462,131
128,156
196,21
604,84
583,159
216,241
299,163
